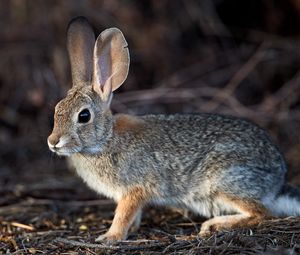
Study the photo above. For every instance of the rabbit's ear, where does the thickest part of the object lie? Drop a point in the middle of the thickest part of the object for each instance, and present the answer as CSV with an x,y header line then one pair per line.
x,y
111,62
80,43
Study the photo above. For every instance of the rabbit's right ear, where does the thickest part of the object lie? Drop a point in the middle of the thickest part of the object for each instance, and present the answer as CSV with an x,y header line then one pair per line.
x,y
80,43
111,63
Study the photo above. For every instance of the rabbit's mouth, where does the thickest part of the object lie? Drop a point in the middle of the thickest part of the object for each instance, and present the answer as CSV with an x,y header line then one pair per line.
x,y
63,147
64,151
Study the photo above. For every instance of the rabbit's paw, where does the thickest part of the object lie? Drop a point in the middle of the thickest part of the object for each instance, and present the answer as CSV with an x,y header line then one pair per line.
x,y
110,237
208,229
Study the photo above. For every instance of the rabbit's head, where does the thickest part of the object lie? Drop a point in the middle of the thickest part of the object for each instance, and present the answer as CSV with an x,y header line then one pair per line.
x,y
83,120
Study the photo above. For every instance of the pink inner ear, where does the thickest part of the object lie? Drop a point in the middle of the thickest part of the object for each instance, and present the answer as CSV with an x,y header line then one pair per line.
x,y
102,82
103,65
104,71
111,61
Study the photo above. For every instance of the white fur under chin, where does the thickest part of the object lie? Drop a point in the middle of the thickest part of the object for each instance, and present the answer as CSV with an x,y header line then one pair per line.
x,y
283,206
92,179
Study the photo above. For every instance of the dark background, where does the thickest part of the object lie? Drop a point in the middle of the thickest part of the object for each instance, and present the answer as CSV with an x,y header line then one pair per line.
x,y
239,57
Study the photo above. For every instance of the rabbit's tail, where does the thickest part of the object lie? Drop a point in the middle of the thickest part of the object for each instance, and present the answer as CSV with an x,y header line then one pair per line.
x,y
287,202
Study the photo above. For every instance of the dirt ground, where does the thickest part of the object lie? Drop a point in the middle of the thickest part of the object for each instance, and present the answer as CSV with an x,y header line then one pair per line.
x,y
186,56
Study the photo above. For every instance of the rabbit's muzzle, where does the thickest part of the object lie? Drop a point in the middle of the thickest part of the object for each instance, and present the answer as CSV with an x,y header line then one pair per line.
x,y
54,142
61,145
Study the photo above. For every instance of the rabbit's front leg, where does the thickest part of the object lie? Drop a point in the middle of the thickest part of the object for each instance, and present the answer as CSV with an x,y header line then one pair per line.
x,y
137,221
128,208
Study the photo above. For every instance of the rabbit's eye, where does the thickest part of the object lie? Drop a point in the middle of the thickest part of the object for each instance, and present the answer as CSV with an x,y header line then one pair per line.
x,y
84,116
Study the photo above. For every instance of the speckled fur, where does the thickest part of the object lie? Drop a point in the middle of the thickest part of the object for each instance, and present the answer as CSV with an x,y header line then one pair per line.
x,y
190,161
195,156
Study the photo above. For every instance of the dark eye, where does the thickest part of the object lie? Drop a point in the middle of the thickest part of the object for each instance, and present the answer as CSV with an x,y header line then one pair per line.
x,y
84,116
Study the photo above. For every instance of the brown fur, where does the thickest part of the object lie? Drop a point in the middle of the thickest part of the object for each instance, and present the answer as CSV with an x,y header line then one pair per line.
x,y
127,210
126,123
247,206
251,213
53,138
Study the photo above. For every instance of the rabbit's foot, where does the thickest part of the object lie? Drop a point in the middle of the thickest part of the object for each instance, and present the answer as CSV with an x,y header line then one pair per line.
x,y
111,237
229,222
208,228
220,223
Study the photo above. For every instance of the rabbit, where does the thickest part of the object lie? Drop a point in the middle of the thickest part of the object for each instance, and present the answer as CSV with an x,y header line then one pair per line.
x,y
221,167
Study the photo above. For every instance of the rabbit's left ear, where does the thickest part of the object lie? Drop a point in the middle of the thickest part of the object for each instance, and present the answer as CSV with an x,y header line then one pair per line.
x,y
111,62
80,43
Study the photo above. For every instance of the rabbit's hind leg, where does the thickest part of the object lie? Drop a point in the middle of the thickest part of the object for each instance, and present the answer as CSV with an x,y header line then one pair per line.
x,y
250,212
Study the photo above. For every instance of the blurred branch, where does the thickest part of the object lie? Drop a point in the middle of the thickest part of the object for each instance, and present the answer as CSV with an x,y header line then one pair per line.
x,y
235,81
288,93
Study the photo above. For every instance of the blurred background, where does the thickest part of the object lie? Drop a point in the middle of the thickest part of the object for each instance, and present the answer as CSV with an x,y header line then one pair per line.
x,y
225,56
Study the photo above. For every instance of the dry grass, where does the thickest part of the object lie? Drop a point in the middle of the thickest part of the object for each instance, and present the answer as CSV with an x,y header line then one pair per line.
x,y
70,227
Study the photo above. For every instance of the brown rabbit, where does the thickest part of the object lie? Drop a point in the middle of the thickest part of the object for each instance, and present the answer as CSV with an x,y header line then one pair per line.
x,y
217,166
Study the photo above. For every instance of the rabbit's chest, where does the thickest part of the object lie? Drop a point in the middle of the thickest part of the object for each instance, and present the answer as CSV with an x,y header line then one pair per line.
x,y
103,184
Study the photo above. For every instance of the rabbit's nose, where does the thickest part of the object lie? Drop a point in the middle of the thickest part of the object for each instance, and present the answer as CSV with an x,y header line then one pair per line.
x,y
53,140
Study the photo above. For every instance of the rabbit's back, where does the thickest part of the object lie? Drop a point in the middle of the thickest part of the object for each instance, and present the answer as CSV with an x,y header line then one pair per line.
x,y
204,150
193,136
